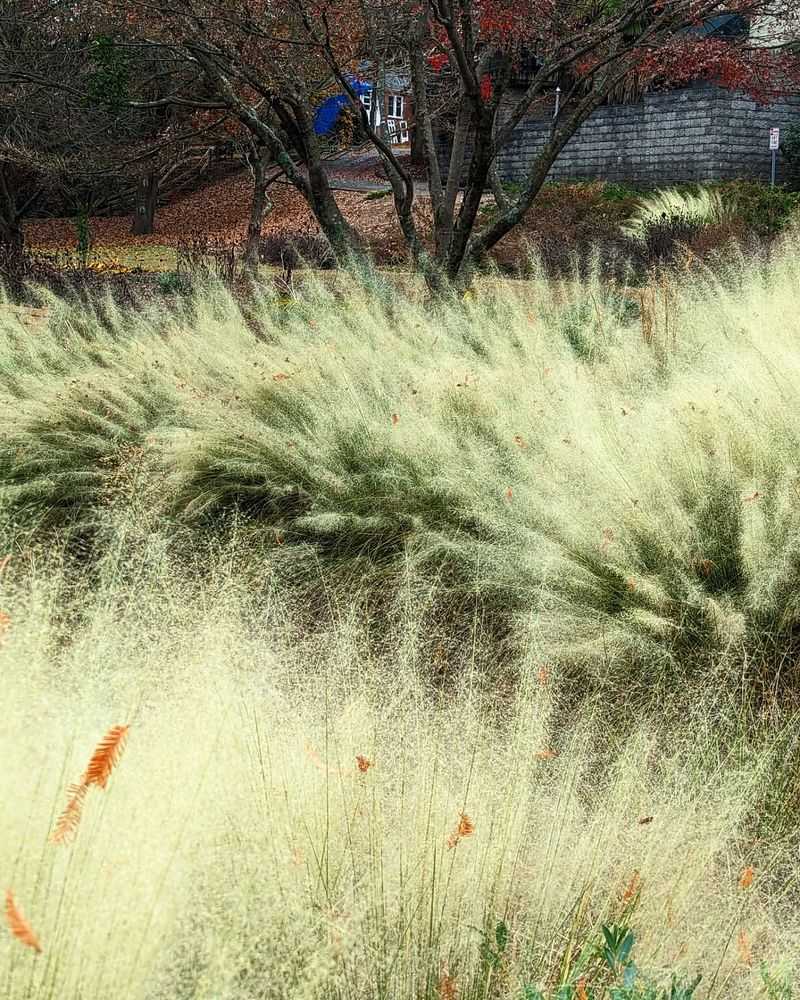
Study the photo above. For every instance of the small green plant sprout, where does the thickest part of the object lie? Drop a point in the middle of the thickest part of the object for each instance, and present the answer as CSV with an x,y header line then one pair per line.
x,y
494,944
680,989
532,993
777,982
615,951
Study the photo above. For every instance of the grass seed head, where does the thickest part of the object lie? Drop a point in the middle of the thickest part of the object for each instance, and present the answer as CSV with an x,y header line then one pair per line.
x,y
18,925
106,757
448,988
67,823
465,828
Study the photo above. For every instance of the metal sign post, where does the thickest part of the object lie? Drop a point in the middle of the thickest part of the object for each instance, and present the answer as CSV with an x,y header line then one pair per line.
x,y
556,113
774,145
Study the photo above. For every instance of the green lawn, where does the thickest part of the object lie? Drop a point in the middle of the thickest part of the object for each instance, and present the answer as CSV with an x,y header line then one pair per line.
x,y
152,258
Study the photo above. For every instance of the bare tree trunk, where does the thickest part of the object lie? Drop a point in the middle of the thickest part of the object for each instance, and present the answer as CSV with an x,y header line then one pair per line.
x,y
479,243
501,199
340,234
146,201
479,168
11,234
297,117
257,208
12,213
443,218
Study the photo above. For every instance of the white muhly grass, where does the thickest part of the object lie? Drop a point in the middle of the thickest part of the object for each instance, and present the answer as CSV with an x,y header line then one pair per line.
x,y
571,446
242,849
598,459
701,206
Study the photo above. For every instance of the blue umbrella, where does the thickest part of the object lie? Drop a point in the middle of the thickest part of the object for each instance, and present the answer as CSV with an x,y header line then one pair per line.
x,y
328,112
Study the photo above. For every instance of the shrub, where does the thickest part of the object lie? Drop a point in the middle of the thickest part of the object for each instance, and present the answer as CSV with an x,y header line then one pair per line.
x,y
572,225
790,150
709,221
619,192
173,282
214,259
666,239
762,210
291,251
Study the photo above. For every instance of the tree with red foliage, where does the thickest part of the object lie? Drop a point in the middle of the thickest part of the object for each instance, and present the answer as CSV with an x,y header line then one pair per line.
x,y
265,63
591,49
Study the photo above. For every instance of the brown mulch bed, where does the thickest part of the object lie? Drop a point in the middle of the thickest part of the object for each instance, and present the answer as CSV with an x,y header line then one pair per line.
x,y
219,213
567,217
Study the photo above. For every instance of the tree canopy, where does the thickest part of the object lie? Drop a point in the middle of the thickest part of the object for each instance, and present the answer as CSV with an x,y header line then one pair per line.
x,y
268,64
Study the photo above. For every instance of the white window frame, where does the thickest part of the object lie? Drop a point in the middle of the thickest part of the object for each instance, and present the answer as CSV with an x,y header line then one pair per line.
x,y
397,105
398,130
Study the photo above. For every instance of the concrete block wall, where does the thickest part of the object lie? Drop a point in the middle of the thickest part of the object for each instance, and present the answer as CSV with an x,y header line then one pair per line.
x,y
695,134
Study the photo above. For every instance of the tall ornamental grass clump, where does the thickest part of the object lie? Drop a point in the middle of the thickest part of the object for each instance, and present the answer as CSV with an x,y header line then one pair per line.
x,y
199,801
607,473
695,207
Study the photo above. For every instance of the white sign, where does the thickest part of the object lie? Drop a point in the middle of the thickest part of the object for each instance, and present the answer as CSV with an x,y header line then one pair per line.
x,y
774,138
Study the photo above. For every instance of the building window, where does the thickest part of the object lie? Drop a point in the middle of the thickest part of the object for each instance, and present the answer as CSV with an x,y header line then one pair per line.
x,y
366,100
396,105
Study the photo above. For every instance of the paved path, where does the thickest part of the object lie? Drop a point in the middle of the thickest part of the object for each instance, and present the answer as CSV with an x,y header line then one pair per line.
x,y
358,184
367,186
339,166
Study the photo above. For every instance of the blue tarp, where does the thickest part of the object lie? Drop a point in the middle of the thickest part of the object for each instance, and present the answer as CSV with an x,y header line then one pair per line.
x,y
721,26
328,112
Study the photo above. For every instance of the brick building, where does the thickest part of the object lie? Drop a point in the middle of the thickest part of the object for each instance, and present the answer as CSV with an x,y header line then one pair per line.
x,y
390,104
